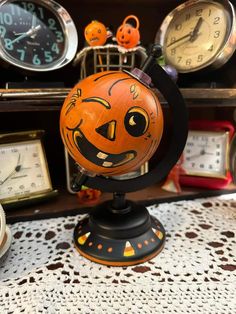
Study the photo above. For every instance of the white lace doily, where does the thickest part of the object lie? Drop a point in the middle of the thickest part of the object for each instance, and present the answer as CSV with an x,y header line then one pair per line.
x,y
195,272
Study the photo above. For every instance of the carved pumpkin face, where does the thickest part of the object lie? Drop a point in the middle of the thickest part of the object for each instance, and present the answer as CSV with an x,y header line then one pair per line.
x,y
128,36
111,123
95,34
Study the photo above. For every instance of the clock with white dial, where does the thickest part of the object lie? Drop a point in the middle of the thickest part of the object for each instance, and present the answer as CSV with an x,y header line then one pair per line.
x,y
198,34
24,171
206,154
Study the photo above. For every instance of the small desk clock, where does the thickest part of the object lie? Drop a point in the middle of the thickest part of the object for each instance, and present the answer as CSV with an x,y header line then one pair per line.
x,y
24,174
206,154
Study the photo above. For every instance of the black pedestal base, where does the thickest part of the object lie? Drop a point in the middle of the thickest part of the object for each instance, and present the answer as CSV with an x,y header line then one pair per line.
x,y
119,237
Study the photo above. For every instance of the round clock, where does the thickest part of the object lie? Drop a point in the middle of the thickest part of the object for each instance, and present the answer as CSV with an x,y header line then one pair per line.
x,y
198,34
36,35
206,154
24,174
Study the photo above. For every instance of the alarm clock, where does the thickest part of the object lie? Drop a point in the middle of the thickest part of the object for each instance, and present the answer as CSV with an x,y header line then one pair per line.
x,y
36,35
206,154
198,34
24,174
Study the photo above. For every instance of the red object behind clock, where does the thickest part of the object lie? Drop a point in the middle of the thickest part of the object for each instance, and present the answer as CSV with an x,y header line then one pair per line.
x,y
209,182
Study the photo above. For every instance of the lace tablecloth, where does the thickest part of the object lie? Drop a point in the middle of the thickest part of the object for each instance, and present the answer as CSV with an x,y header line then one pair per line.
x,y
195,272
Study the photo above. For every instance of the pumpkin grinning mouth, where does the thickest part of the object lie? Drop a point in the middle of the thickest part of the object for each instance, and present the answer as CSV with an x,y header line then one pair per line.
x,y
98,157
94,39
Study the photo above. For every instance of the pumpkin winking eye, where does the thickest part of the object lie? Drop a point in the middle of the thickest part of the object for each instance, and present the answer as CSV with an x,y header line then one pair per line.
x,y
136,121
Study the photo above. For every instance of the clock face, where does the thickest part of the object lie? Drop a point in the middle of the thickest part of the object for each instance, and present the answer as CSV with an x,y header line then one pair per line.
x,y
23,170
205,154
34,35
197,35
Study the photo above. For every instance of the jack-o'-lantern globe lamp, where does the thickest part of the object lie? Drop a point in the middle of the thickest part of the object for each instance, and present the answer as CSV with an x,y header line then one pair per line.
x,y
112,123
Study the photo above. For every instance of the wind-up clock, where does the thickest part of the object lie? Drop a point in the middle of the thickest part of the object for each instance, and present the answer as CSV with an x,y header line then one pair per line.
x,y
36,35
198,34
206,154
24,174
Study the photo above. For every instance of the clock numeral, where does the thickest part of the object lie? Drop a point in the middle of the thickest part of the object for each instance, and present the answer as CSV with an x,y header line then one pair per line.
x,y
22,187
187,16
173,51
2,31
201,166
48,56
199,12
55,48
216,20
28,6
188,61
59,36
8,44
217,34
52,24
211,48
199,58
41,13
36,60
22,54
179,59
6,18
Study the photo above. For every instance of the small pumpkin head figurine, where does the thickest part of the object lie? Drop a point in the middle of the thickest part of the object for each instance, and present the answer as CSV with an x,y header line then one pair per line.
x,y
111,123
127,35
95,33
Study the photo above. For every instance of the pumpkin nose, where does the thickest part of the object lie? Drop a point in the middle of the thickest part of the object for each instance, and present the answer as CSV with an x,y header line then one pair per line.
x,y
108,130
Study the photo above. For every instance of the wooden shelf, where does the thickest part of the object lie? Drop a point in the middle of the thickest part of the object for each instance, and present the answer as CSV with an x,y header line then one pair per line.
x,y
68,204
52,100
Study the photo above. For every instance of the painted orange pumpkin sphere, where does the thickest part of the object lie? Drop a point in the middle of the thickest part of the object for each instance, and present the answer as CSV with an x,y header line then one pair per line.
x,y
95,33
127,35
111,123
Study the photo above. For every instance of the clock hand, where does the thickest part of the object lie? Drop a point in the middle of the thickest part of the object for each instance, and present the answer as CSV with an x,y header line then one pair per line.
x,y
201,153
195,31
193,34
179,39
33,22
16,169
29,33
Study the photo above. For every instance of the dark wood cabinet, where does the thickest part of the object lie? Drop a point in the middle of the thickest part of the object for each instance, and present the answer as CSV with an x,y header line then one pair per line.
x,y
208,95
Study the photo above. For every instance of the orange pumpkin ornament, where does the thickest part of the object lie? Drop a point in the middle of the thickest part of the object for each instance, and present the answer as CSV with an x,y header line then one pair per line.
x,y
127,35
95,34
111,123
